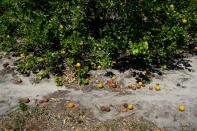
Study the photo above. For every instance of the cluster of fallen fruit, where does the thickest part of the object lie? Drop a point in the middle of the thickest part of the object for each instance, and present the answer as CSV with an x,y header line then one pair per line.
x,y
72,105
44,99
112,83
139,85
124,108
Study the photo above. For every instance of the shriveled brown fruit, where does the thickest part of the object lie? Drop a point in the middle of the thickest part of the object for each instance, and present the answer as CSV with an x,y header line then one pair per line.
x,y
147,73
44,100
108,109
5,64
25,100
18,80
125,105
112,84
105,109
76,108
124,110
151,88
130,86
134,74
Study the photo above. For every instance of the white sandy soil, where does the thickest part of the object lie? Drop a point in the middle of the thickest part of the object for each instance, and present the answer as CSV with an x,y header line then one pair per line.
x,y
161,107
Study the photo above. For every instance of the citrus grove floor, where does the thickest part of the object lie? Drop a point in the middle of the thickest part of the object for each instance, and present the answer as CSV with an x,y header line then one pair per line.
x,y
160,107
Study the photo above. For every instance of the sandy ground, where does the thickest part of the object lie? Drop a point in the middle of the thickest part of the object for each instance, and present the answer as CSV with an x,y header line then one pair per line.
x,y
161,107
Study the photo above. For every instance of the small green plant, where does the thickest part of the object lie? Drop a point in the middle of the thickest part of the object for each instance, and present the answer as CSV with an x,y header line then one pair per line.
x,y
22,106
84,81
58,80
42,74
82,72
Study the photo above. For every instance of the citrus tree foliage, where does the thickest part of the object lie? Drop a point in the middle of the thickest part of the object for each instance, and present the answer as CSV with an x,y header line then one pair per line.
x,y
58,33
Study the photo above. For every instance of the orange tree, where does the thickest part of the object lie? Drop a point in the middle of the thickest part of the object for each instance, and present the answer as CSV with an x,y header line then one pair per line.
x,y
53,34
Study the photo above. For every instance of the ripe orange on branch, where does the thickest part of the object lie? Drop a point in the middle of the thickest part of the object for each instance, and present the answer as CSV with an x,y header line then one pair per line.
x,y
78,65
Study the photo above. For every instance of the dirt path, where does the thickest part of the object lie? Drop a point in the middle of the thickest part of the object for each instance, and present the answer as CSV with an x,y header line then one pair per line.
x,y
161,107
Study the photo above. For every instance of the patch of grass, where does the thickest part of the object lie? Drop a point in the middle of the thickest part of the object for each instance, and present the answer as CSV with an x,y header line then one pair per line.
x,y
36,111
38,118
22,106
18,120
